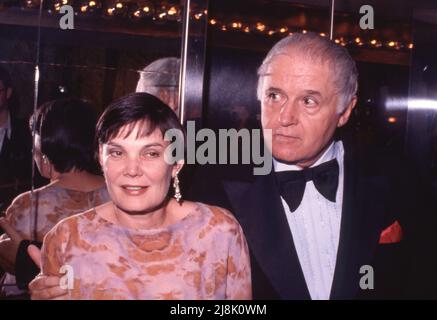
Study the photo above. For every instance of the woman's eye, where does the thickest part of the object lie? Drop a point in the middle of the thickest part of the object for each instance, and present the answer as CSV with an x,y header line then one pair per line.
x,y
152,154
115,153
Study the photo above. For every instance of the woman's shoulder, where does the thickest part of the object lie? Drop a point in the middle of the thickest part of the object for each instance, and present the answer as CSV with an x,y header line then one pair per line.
x,y
199,215
47,197
60,196
78,218
25,197
73,223
218,216
21,201
49,192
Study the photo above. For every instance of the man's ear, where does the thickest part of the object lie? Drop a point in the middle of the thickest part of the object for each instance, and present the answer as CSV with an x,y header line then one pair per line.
x,y
177,167
8,93
345,115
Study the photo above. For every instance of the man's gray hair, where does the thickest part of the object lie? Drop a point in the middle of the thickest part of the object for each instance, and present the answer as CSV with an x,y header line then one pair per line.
x,y
160,74
320,50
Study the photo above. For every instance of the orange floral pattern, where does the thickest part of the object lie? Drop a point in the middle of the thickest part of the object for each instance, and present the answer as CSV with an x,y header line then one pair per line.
x,y
202,256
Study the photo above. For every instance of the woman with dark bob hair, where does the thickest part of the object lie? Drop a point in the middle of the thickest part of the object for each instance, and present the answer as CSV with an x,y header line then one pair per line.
x,y
145,244
64,153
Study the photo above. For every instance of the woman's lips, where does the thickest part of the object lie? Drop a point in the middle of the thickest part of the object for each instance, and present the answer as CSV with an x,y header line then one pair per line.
x,y
134,190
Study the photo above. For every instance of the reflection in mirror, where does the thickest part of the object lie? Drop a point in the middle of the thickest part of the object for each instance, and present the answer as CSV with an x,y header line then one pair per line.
x,y
161,78
383,55
422,103
18,49
90,53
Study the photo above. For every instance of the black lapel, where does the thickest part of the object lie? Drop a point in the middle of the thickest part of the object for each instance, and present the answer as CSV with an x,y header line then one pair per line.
x,y
6,145
362,214
257,206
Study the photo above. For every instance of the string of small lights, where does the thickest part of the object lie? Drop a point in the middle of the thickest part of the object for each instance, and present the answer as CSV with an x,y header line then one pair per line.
x,y
168,10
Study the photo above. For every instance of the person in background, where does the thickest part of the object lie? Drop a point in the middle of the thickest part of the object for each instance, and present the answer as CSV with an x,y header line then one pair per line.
x,y
161,79
15,145
64,154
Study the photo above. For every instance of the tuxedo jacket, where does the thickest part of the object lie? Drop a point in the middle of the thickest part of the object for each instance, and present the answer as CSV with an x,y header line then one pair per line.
x,y
385,224
15,162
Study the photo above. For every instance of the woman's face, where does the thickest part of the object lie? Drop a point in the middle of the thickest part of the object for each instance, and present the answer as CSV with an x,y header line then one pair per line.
x,y
137,177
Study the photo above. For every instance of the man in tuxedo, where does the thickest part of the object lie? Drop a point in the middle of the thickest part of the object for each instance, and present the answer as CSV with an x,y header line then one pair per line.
x,y
334,220
15,146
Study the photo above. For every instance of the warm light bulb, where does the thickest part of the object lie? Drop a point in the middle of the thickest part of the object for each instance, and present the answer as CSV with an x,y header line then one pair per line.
x,y
92,3
212,22
260,27
172,11
119,5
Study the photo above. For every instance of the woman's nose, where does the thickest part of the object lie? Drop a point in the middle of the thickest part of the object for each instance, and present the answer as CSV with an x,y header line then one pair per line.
x,y
133,168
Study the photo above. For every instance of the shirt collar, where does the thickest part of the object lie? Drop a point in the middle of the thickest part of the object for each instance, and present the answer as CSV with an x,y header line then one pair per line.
x,y
8,126
329,154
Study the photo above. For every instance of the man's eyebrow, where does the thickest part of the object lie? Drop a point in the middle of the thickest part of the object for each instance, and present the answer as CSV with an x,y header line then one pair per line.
x,y
274,89
313,92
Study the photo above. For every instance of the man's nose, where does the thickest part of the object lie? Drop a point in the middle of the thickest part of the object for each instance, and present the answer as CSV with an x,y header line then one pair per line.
x,y
288,115
133,168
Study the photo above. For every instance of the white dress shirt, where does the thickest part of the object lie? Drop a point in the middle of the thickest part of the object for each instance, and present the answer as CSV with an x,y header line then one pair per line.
x,y
5,130
315,226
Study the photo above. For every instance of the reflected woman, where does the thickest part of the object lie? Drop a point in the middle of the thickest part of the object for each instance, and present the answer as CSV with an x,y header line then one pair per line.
x,y
64,145
144,244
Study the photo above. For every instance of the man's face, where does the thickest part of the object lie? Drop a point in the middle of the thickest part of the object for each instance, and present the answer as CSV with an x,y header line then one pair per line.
x,y
299,104
170,96
5,93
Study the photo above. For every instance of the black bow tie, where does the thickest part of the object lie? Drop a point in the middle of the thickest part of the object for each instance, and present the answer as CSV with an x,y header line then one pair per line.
x,y
292,183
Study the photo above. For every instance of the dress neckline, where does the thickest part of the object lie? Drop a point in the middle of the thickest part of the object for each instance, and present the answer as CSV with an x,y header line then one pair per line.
x,y
171,227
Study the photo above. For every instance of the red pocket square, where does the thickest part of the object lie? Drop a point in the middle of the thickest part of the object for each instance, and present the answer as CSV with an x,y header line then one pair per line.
x,y
392,234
